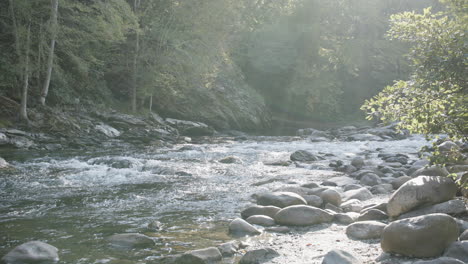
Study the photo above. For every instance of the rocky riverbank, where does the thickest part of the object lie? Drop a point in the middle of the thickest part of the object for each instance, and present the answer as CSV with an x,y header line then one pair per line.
x,y
384,210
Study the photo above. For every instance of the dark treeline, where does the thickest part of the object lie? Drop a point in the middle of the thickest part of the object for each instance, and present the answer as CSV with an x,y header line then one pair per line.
x,y
230,63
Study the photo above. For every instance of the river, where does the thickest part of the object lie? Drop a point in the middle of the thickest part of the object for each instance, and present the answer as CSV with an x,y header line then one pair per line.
x,y
74,199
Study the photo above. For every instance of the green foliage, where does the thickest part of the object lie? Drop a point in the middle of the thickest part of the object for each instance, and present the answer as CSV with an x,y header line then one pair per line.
x,y
434,99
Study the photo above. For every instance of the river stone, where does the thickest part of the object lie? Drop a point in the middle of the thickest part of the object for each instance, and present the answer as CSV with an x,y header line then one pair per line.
x,y
302,215
442,260
373,214
384,188
451,207
346,218
107,130
350,187
258,256
370,179
260,210
458,250
239,227
338,256
331,196
357,162
353,205
4,164
313,200
420,191
423,237
206,255
230,160
303,156
365,230
398,182
334,209
448,146
228,249
32,252
261,220
278,229
431,171
280,199
301,191
361,194
464,235
131,240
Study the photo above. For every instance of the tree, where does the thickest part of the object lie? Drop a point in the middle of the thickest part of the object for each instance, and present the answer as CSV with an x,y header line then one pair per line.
x,y
434,99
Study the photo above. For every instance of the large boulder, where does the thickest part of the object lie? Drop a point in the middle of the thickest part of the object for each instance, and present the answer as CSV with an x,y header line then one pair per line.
x,y
258,256
131,240
205,256
303,156
451,207
423,190
33,252
423,236
458,250
260,210
365,230
280,199
338,256
302,215
431,171
239,227
441,260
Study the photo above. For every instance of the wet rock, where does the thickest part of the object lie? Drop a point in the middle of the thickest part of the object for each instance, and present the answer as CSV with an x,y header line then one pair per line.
x,y
353,205
155,226
260,210
230,160
419,191
464,235
258,256
424,236
313,200
302,215
280,199
370,179
261,220
458,250
398,182
303,156
107,130
331,196
451,207
431,171
228,249
4,164
365,230
357,162
373,214
442,260
200,256
346,218
33,252
131,240
239,227
278,229
189,128
384,188
360,194
337,256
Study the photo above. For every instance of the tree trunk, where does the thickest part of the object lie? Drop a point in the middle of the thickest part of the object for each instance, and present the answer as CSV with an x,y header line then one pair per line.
x,y
151,103
24,93
50,60
135,60
15,29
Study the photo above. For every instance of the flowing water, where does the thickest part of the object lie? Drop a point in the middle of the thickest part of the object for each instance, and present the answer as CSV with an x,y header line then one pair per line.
x,y
74,200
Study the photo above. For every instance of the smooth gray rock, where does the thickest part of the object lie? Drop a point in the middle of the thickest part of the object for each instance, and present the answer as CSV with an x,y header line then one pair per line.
x,y
207,255
464,235
357,162
303,156
458,250
338,256
313,200
370,179
353,205
420,191
341,180
280,199
451,207
239,227
350,187
261,220
431,171
302,215
260,210
384,188
230,160
361,194
448,146
334,209
365,230
442,260
228,249
398,182
346,218
4,164
423,237
278,229
331,196
373,215
258,256
131,240
33,252
301,191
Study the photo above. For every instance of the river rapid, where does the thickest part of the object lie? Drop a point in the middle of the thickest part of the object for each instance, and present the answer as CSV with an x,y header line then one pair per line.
x,y
74,200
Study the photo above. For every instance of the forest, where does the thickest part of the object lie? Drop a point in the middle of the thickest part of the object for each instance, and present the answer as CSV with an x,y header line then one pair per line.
x,y
233,131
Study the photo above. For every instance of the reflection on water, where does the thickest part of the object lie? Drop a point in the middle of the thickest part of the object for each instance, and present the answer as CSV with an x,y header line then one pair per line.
x,y
75,200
